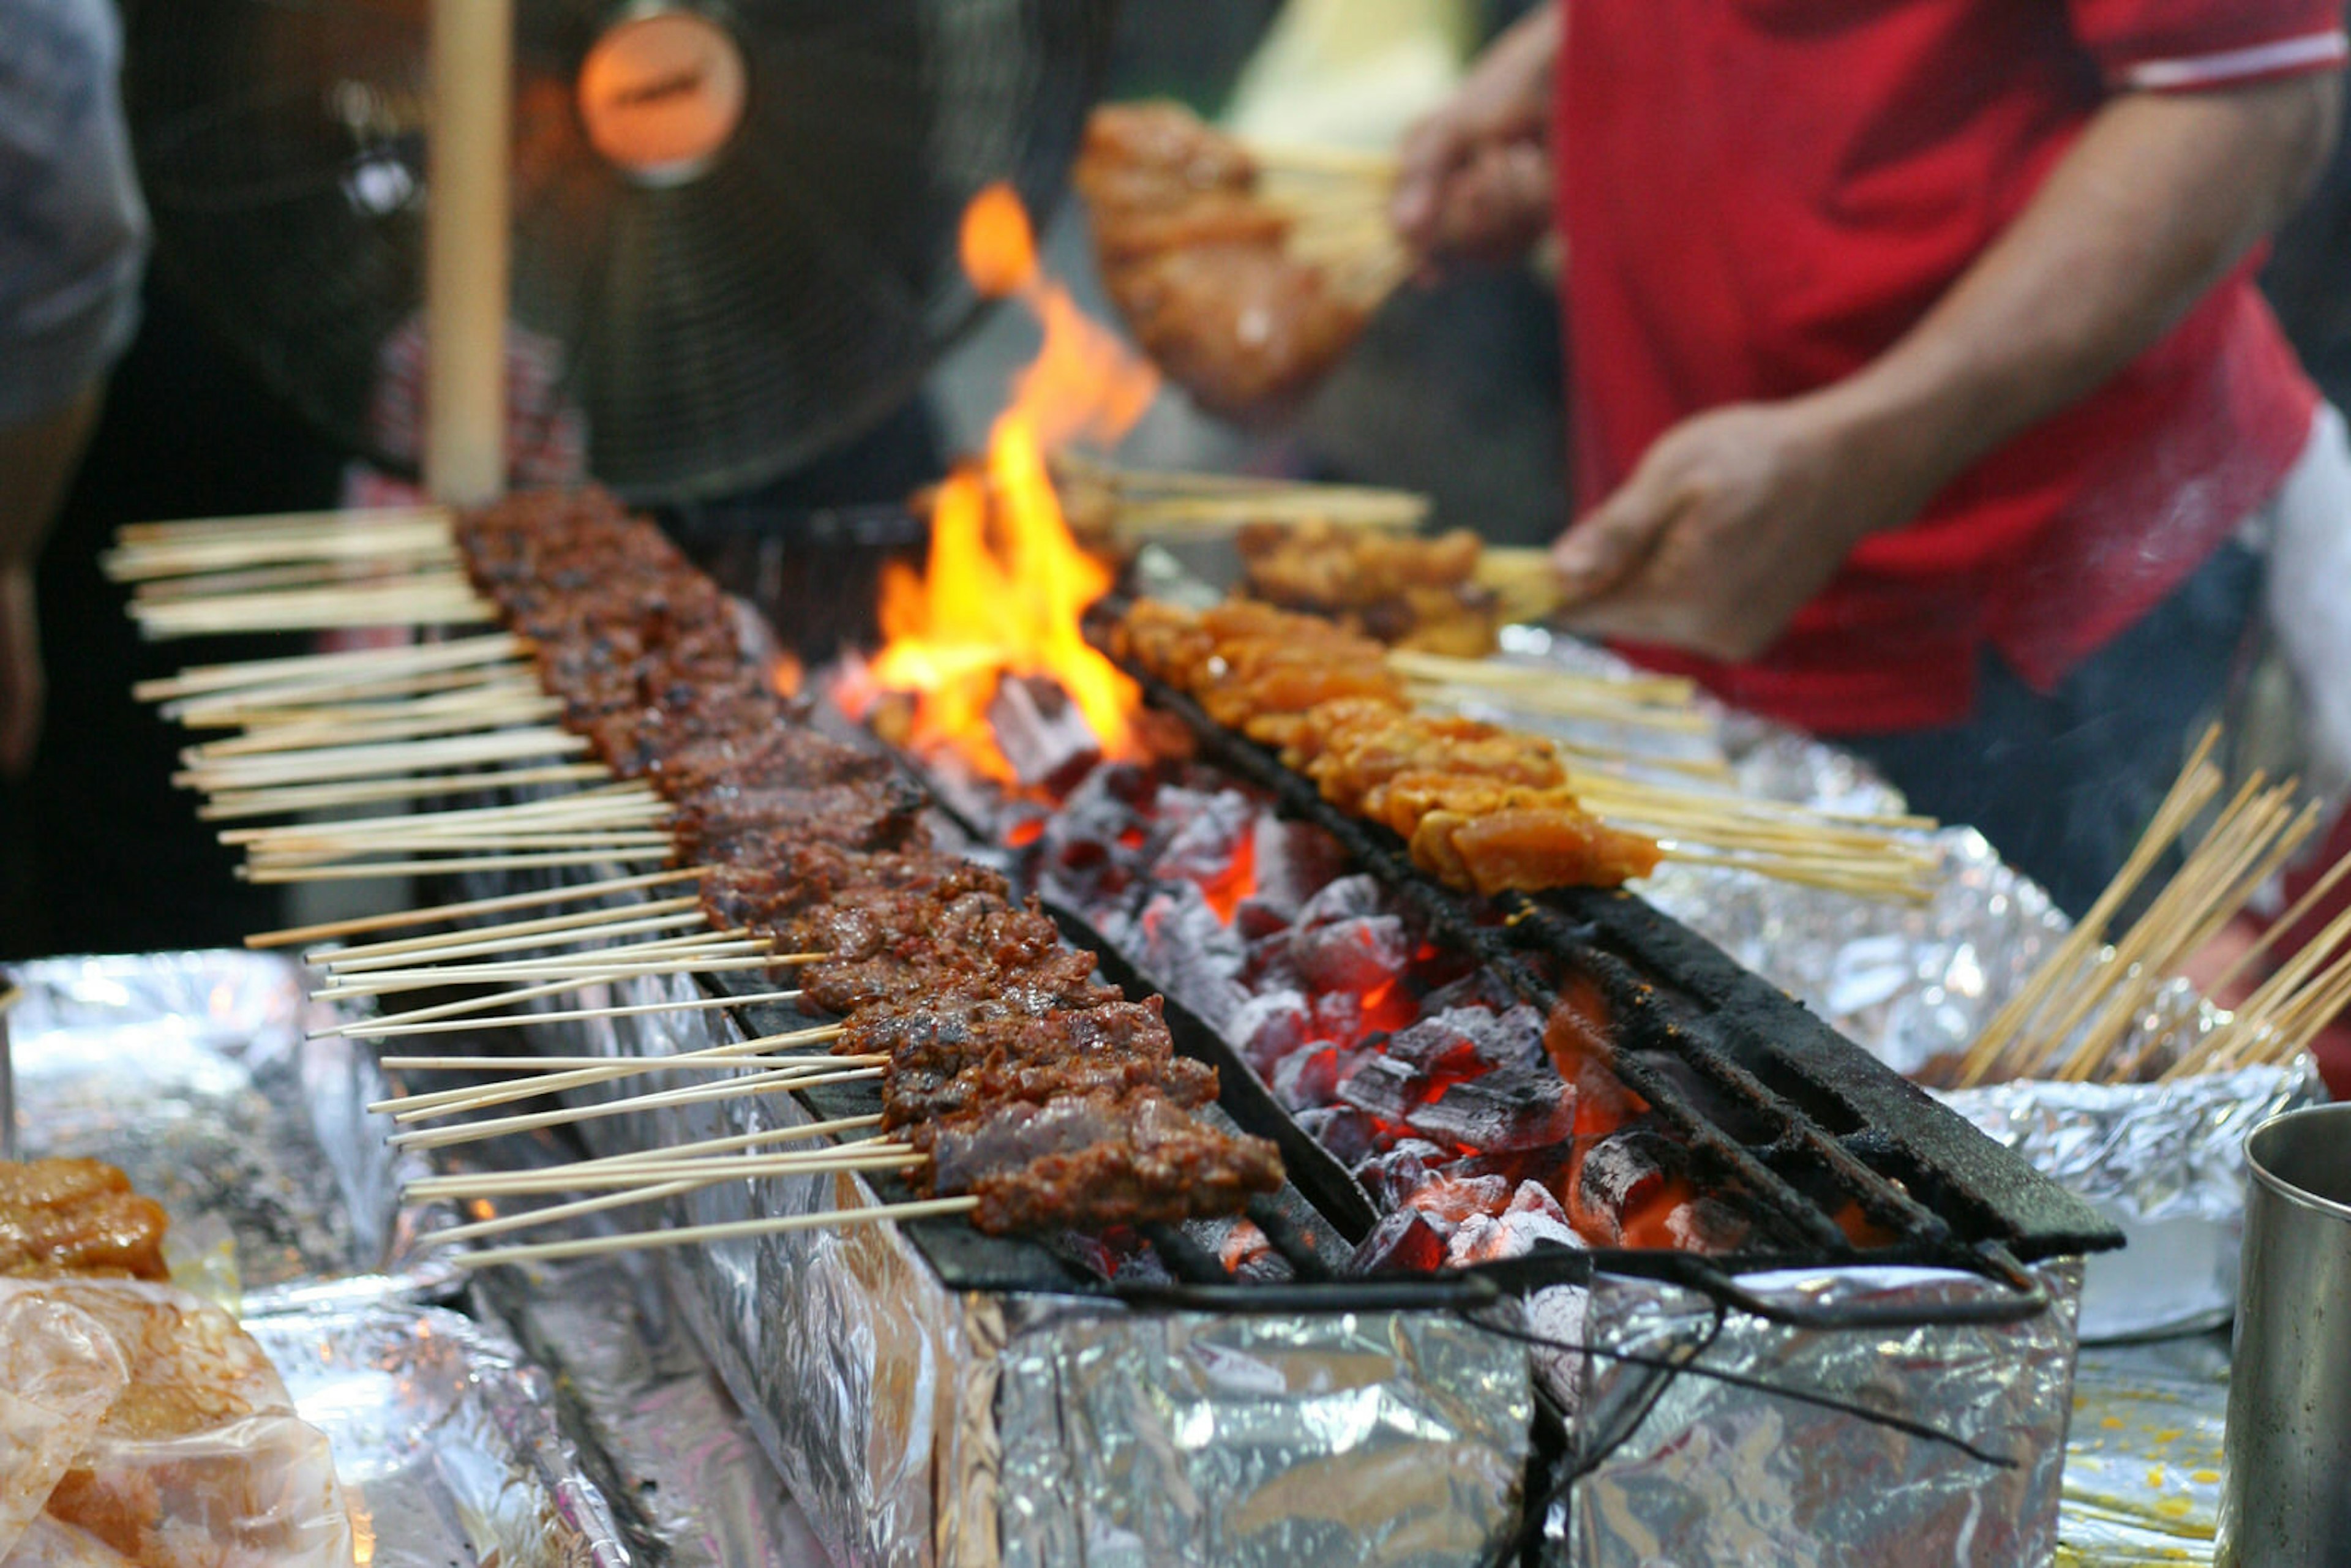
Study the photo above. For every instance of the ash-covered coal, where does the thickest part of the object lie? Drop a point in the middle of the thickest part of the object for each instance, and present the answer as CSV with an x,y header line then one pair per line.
x,y
1478,1128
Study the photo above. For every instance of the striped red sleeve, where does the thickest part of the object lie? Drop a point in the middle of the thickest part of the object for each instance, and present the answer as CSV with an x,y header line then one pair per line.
x,y
2182,46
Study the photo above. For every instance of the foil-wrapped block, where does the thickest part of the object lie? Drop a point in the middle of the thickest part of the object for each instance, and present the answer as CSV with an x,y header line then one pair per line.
x,y
1688,1468
191,1073
444,1440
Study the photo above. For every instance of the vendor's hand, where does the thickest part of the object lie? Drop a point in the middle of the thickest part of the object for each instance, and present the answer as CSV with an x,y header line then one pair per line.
x,y
1732,521
21,683
1474,181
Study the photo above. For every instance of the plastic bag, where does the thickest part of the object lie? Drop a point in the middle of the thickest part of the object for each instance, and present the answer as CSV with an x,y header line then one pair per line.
x,y
196,1458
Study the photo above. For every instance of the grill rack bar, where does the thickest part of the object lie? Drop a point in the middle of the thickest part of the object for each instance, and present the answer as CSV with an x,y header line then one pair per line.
x,y
1580,928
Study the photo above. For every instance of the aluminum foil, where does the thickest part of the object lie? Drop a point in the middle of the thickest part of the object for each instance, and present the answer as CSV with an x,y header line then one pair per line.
x,y
1397,1439
1912,983
839,1345
2167,1164
1717,1473
191,1072
444,1441
680,1465
2143,1461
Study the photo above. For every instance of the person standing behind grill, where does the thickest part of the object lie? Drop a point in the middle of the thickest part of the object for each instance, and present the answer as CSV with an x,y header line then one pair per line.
x,y
73,242
1920,391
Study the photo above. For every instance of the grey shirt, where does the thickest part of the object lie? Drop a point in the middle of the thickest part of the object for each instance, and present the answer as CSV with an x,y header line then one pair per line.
x,y
73,230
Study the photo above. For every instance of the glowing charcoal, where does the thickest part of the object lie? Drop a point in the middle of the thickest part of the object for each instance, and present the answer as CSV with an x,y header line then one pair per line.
x,y
1406,1242
1352,955
1386,1088
1349,898
1294,859
1350,1135
1268,1026
1449,1200
1617,1173
1209,841
1311,1077
1463,1040
1516,1107
1392,1177
1041,733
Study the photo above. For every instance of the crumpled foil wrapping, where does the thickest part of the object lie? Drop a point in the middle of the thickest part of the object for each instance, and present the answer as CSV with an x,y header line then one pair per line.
x,y
839,1345
1397,1439
444,1441
190,1070
682,1466
1718,1473
914,1424
2165,1162
2143,1460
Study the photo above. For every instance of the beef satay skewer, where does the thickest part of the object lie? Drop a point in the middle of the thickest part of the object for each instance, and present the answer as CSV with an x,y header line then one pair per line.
x,y
433,914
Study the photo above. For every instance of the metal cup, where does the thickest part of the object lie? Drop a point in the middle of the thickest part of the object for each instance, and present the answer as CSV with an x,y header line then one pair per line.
x,y
2285,1498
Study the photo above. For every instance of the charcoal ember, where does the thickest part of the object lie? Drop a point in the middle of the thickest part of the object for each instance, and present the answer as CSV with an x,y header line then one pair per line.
x,y
1386,1088
1707,1224
1514,1233
1545,1166
1245,1252
1268,1026
1353,955
1085,831
1518,1107
1294,862
1468,1040
1313,1076
1406,1242
1350,1135
1480,989
1042,733
1260,923
1534,1198
1339,1015
1142,1267
1195,953
1211,840
1392,1177
1450,1200
1269,963
1349,898
1617,1173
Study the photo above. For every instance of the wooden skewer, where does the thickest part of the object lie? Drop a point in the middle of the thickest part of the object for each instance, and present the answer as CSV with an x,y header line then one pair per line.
x,y
619,846
312,574
734,1230
354,762
755,1167
481,1097
545,1065
715,961
702,943
363,1029
270,739
577,893
733,1142
757,1083
371,1032
547,930
252,706
522,936
233,805
280,524
356,663
532,1218
368,870
235,558
2198,781
2293,918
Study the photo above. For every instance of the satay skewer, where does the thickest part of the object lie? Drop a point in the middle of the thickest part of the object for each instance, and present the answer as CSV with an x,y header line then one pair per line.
x,y
781,1080
732,1230
434,915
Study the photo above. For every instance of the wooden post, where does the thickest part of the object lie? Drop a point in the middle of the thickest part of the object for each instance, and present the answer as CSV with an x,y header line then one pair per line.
x,y
466,246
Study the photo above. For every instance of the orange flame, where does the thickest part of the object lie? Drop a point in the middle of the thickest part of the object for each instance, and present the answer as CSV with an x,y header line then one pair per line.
x,y
1005,585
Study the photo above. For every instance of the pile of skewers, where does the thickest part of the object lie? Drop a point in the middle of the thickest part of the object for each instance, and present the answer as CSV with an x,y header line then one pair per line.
x,y
2101,1008
1023,1094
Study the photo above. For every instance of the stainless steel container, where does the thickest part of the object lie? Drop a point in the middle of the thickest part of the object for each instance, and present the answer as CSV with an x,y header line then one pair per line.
x,y
2285,1500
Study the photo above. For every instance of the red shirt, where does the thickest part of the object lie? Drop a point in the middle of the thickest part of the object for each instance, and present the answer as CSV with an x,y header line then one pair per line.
x,y
1759,196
